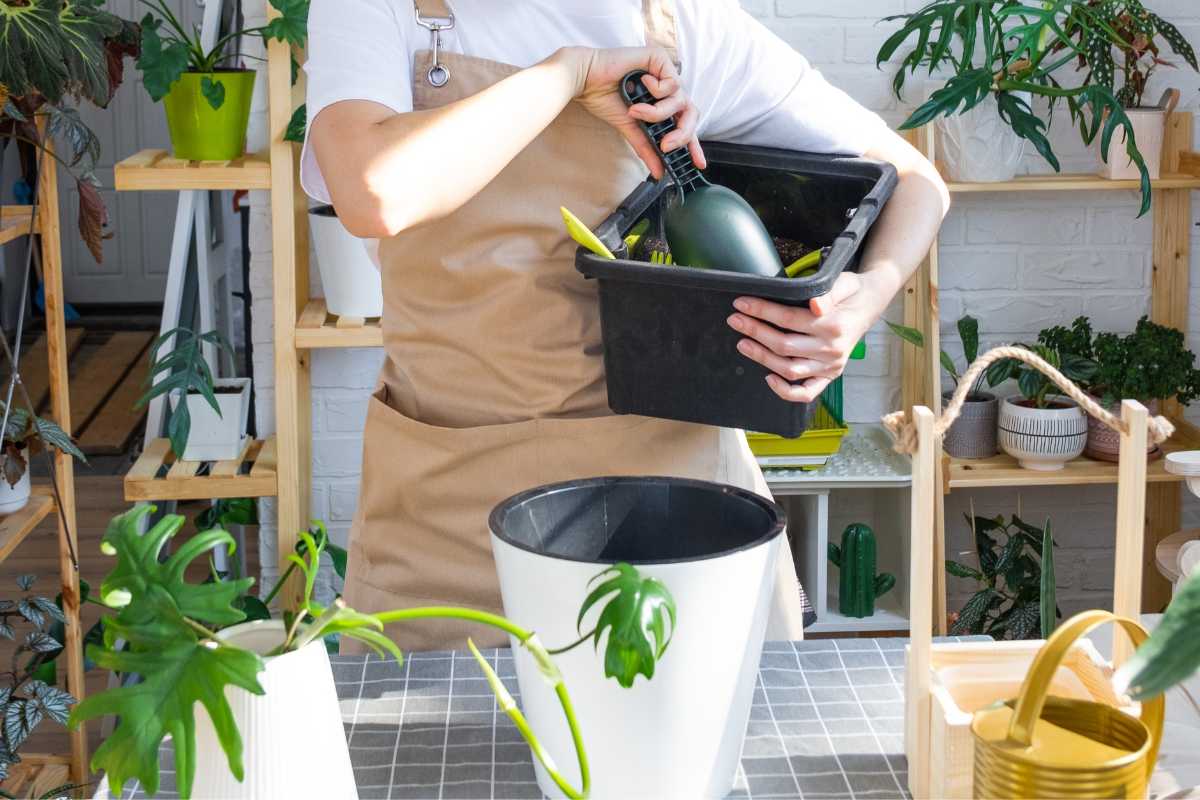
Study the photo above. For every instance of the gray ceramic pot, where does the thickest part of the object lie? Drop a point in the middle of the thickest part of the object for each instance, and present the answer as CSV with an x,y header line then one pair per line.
x,y
973,434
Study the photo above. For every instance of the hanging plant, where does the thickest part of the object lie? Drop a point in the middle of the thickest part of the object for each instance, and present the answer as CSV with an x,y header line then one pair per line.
x,y
55,54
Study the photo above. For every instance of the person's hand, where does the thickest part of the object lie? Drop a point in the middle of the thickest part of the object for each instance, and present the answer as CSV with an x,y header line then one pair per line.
x,y
806,348
599,72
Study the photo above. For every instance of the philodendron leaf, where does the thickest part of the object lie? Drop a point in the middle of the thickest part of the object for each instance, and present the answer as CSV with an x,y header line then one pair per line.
x,y
160,618
1172,653
162,62
139,571
175,676
291,25
910,335
968,331
639,618
297,125
213,91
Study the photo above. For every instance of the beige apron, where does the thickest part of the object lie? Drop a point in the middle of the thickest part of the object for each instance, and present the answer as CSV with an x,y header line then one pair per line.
x,y
494,380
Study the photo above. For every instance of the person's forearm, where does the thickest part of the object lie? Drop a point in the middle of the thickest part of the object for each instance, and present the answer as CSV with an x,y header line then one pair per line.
x,y
401,170
901,237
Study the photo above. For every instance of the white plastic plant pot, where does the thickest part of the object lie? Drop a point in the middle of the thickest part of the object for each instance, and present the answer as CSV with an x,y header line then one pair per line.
x,y
294,744
1043,439
213,437
14,498
978,146
349,276
678,735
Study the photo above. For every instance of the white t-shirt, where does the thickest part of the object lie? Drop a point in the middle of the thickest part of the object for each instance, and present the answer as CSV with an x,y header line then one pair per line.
x,y
748,85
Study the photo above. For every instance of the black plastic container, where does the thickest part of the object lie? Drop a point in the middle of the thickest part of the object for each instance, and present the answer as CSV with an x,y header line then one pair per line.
x,y
668,351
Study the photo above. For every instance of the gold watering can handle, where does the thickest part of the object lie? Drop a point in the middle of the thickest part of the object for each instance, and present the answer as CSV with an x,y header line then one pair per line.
x,y
1047,662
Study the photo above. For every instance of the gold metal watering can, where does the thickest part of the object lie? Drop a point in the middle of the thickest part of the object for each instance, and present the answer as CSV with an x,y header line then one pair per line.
x,y
1054,747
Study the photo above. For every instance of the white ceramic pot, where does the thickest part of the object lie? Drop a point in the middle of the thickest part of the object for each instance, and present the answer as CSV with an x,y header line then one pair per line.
x,y
1042,439
214,437
978,146
680,734
14,498
349,276
294,744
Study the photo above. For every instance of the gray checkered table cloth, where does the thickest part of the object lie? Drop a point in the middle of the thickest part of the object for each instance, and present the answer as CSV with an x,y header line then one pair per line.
x,y
827,722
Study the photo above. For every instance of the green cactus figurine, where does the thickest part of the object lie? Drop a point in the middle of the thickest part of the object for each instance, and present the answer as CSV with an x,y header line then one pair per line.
x,y
858,585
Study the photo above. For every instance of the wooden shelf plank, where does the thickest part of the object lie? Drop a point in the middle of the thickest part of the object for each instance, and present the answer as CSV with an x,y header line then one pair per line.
x,y
155,170
317,328
1003,470
157,475
16,526
1068,182
14,222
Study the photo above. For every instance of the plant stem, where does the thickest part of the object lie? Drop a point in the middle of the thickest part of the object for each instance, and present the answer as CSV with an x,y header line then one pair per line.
x,y
560,650
287,573
529,641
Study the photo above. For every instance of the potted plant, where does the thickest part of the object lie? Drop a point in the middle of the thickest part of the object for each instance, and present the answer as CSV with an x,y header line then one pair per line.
x,y
973,434
1041,429
1150,365
1001,55
79,51
206,100
716,548
350,277
208,417
25,700
1133,33
22,432
1016,598
207,674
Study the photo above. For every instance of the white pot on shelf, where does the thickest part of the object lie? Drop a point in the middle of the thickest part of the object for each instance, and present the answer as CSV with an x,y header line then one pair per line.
x,y
349,276
214,437
678,735
294,743
1042,439
978,146
1149,132
14,498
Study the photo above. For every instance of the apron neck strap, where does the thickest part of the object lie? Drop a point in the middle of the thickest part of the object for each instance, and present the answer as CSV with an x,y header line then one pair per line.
x,y
432,8
659,17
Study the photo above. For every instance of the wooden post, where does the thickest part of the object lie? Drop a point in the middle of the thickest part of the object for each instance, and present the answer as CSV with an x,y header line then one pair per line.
x,y
1168,306
1131,515
64,465
925,493
920,380
289,235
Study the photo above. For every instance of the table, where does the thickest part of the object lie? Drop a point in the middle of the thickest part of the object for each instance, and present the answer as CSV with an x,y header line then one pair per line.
x,y
827,722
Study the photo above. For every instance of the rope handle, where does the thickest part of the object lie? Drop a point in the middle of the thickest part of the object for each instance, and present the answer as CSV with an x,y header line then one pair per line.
x,y
1158,429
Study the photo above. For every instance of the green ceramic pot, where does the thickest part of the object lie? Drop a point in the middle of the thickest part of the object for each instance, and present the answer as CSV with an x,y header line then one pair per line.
x,y
198,131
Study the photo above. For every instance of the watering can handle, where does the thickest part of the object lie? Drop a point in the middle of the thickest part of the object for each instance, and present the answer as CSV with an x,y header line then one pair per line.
x,y
1050,658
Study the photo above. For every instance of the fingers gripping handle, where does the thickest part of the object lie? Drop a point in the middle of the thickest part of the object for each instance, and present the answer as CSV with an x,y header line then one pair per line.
x,y
678,162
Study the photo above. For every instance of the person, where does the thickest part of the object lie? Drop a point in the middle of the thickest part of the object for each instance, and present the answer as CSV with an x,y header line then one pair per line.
x,y
452,132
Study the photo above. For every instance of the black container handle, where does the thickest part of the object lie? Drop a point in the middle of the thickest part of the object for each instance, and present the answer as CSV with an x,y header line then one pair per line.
x,y
678,162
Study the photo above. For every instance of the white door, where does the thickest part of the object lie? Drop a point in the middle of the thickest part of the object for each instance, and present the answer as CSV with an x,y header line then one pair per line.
x,y
135,258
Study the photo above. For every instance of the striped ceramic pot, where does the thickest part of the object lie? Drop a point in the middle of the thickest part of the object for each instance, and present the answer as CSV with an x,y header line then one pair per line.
x,y
1042,438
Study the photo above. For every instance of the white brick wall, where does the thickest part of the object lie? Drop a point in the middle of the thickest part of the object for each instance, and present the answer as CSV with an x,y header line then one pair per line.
x,y
1018,263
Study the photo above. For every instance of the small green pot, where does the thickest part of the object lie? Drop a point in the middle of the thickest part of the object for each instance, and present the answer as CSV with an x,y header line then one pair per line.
x,y
198,131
